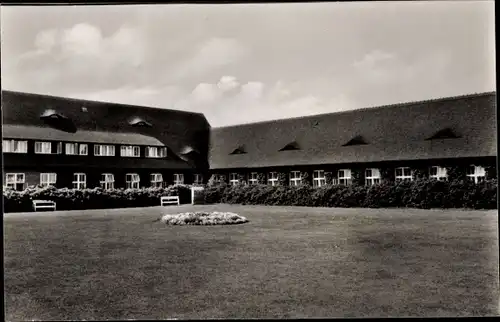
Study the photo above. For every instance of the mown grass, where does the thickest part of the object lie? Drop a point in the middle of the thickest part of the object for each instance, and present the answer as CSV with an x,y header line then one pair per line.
x,y
287,262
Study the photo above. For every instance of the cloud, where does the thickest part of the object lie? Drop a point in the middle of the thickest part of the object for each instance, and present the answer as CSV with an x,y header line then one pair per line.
x,y
212,54
82,57
227,83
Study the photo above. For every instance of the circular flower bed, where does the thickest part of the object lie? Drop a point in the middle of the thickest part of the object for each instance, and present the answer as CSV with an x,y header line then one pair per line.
x,y
203,218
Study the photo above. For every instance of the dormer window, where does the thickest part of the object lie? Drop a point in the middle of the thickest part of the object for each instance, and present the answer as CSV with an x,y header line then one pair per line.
x,y
188,149
139,122
446,133
357,140
53,115
290,147
239,150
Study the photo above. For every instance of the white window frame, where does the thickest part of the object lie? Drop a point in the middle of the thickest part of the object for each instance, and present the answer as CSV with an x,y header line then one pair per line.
x,y
198,178
107,181
104,150
77,148
372,176
48,179
156,180
133,151
478,175
319,178
344,177
233,179
18,179
156,152
404,174
132,180
272,178
14,146
295,178
79,180
178,178
43,147
253,178
441,173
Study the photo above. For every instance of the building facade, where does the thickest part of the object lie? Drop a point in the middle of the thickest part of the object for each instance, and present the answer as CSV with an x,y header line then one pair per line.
x,y
442,138
84,144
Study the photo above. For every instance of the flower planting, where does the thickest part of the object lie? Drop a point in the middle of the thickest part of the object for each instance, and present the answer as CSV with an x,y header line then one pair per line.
x,y
203,218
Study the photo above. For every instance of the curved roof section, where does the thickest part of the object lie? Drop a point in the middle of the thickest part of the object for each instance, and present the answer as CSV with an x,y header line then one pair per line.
x,y
46,133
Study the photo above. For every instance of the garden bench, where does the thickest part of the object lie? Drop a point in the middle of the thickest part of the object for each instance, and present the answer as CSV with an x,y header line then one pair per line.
x,y
170,200
44,204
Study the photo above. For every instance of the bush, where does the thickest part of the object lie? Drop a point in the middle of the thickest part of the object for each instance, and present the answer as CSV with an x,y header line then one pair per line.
x,y
203,218
96,198
421,193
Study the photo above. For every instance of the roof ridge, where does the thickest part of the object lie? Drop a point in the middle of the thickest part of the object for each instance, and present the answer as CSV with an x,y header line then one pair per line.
x,y
95,101
401,104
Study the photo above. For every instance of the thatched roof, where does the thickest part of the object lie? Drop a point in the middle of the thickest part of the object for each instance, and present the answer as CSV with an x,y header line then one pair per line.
x,y
410,131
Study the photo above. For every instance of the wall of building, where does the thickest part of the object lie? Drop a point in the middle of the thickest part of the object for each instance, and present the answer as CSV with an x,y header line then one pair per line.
x,y
420,169
93,176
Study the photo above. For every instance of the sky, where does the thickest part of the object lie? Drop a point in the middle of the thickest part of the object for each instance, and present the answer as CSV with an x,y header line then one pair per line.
x,y
245,63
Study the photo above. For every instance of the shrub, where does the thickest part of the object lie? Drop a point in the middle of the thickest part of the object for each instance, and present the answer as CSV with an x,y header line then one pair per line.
x,y
96,198
203,218
421,193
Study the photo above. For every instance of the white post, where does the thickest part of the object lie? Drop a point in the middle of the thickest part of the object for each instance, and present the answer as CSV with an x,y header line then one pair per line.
x,y
193,189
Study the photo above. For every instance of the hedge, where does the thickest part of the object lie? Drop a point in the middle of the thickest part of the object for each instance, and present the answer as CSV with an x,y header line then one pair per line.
x,y
423,193
97,198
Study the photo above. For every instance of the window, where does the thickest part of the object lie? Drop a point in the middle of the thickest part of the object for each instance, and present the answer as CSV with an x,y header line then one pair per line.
x,y
272,178
295,178
76,149
198,179
83,149
79,181
130,151
15,181
43,147
48,179
104,150
438,173
253,179
178,178
156,180
107,181
233,179
344,177
132,180
476,174
156,152
372,176
14,146
319,178
404,174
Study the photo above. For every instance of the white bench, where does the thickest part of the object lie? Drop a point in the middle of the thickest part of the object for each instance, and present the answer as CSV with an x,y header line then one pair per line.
x,y
170,200
44,204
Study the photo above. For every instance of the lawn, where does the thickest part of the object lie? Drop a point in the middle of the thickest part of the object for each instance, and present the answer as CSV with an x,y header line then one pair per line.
x,y
287,262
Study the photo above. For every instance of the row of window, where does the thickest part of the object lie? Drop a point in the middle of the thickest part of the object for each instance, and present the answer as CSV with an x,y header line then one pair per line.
x,y
16,146
17,180
372,176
